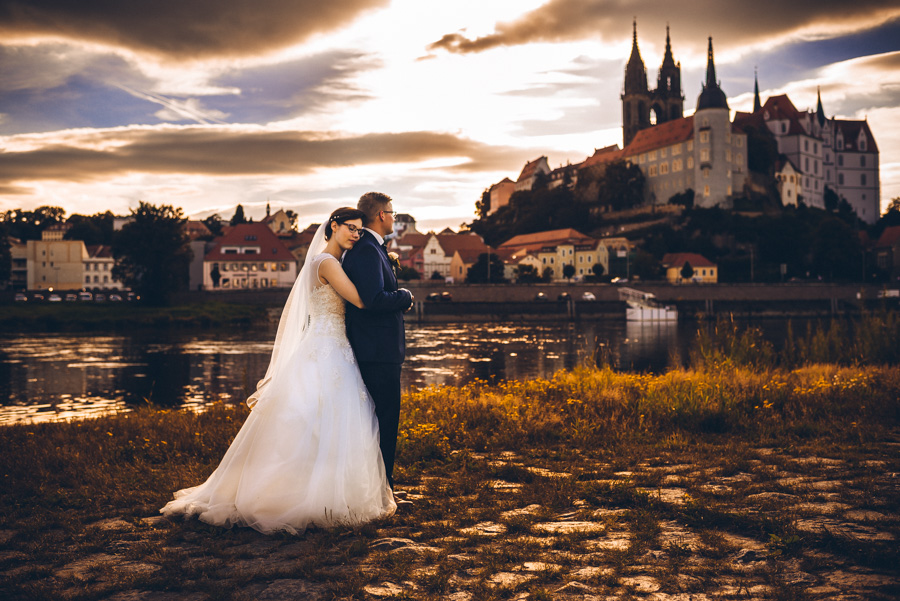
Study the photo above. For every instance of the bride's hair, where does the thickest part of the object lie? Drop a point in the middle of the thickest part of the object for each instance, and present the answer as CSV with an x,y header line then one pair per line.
x,y
342,215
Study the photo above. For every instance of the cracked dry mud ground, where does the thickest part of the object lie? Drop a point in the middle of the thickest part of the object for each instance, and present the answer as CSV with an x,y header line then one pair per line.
x,y
728,523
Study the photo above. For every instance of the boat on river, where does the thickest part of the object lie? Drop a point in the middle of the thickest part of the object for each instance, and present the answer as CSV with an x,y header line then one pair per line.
x,y
643,306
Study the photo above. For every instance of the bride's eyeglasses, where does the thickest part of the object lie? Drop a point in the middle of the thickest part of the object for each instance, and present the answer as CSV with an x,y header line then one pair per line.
x,y
353,229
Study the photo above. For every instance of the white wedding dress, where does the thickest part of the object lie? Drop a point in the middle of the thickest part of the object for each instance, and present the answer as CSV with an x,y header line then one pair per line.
x,y
308,452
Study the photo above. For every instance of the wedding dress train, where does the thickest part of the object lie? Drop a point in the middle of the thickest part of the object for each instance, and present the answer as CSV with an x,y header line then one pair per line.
x,y
308,452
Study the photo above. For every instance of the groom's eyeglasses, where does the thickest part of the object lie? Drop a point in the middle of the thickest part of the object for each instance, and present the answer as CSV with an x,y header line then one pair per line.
x,y
353,229
391,213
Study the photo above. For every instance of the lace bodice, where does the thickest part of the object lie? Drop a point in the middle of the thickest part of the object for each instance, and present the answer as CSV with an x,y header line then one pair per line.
x,y
326,310
326,316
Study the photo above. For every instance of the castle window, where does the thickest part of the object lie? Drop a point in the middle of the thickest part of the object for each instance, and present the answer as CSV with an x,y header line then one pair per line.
x,y
651,156
663,152
840,143
740,141
706,174
783,127
806,145
840,160
840,179
862,179
862,160
704,137
704,154
677,165
816,147
690,163
706,190
664,168
728,154
652,170
676,149
728,137
862,144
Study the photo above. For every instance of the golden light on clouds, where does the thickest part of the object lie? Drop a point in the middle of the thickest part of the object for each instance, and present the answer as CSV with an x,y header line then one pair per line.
x,y
308,104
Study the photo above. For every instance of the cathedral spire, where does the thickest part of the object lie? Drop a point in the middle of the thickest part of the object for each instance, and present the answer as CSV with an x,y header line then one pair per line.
x,y
712,96
710,67
668,60
820,110
756,103
635,72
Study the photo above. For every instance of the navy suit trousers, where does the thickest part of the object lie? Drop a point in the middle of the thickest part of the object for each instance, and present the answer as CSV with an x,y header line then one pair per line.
x,y
383,383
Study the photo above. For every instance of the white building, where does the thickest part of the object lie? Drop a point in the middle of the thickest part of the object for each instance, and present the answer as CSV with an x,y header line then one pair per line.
x,y
249,255
705,152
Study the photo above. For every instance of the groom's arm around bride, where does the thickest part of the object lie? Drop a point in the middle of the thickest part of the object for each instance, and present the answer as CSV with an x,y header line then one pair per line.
x,y
376,332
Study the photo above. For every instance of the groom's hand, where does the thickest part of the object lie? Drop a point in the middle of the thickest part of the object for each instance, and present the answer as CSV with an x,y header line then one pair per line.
x,y
412,301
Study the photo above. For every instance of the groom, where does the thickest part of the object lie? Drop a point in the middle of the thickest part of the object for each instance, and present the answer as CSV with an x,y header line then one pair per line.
x,y
376,332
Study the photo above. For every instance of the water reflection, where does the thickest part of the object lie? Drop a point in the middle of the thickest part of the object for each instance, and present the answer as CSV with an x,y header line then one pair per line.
x,y
51,377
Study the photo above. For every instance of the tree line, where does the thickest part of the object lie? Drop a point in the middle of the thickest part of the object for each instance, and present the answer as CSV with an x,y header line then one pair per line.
x,y
152,250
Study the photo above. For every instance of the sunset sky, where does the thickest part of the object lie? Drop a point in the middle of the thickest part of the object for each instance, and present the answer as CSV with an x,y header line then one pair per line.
x,y
306,104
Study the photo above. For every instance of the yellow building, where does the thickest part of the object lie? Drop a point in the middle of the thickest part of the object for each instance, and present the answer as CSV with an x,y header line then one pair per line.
x,y
55,264
704,270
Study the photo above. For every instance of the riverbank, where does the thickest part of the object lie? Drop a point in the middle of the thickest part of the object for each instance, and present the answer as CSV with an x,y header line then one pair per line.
x,y
89,317
720,482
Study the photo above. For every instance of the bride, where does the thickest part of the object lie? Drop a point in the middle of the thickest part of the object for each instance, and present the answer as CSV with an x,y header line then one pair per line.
x,y
308,452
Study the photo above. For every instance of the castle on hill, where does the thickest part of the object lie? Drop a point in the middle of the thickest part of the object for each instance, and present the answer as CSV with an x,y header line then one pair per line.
x,y
707,152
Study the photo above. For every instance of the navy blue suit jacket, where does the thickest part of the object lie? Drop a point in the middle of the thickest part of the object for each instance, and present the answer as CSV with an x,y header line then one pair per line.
x,y
376,332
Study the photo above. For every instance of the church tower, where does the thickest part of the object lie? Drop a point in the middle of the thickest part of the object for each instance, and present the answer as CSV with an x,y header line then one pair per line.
x,y
636,98
712,96
668,101
642,107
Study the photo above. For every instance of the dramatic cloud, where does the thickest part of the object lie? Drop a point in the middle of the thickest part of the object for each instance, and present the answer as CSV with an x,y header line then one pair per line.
x,y
736,24
180,29
224,152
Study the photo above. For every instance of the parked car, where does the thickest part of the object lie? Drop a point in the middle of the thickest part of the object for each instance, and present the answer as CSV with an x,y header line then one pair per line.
x,y
439,297
115,298
55,298
99,298
541,296
132,297
21,298
588,296
619,281
37,296
71,297
85,296
564,296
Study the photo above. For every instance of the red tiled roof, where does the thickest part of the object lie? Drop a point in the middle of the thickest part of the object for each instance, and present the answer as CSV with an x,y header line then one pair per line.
x,y
743,120
99,251
780,107
529,168
851,130
271,248
662,135
470,255
889,237
548,238
196,229
679,259
412,239
461,243
603,155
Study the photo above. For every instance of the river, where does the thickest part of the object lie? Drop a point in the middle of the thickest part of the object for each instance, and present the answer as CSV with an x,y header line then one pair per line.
x,y
47,377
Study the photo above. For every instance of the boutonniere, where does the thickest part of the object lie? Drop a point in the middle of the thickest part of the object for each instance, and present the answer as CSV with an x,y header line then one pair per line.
x,y
394,260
